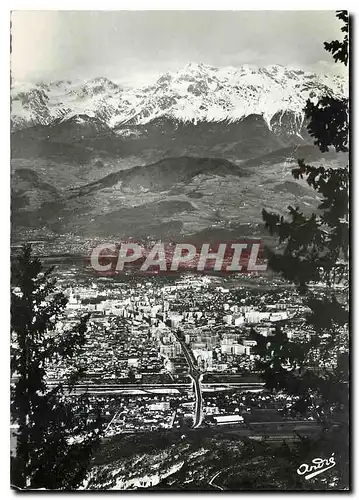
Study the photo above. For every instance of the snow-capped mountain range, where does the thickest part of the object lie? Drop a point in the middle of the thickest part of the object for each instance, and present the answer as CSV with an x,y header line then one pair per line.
x,y
194,93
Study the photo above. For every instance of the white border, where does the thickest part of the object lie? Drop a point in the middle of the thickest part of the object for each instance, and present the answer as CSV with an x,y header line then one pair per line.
x,y
173,5
5,8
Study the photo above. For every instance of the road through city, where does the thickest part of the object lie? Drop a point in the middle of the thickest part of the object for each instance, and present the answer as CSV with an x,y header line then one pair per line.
x,y
196,377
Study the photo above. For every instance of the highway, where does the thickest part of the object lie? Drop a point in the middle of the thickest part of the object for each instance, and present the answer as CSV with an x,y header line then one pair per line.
x,y
194,374
115,387
196,378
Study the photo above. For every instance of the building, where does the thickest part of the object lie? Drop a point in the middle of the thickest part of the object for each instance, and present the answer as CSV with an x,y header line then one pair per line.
x,y
228,419
228,319
239,349
238,320
256,316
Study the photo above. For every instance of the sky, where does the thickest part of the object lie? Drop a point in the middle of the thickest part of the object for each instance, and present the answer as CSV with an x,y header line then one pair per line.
x,y
134,47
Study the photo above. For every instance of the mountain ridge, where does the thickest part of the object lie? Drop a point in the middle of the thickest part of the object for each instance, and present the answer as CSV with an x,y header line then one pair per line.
x,y
195,93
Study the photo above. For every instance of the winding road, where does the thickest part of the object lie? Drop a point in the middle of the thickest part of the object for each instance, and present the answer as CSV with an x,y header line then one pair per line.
x,y
211,483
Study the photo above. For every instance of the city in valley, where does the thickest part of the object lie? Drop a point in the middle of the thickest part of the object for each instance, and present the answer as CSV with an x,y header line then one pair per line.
x,y
171,363
178,352
180,250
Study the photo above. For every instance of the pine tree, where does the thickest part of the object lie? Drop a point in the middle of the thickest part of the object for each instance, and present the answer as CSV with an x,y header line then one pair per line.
x,y
314,249
56,433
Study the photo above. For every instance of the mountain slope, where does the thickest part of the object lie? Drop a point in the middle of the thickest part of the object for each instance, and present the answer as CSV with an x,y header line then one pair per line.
x,y
207,198
82,142
194,93
162,175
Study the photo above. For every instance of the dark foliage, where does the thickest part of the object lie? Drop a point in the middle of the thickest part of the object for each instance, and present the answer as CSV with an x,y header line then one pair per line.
x,y
340,50
314,368
56,434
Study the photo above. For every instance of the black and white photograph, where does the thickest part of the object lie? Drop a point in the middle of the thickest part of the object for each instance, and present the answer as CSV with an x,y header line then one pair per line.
x,y
180,272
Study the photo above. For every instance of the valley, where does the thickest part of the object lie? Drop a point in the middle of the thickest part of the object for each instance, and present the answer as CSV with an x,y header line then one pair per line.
x,y
87,171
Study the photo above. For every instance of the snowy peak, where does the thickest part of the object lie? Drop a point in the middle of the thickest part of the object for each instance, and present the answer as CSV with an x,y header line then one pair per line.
x,y
97,86
195,93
